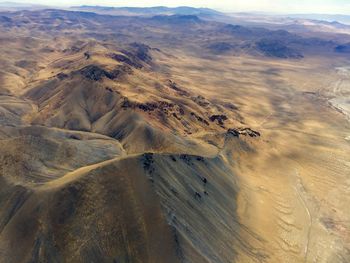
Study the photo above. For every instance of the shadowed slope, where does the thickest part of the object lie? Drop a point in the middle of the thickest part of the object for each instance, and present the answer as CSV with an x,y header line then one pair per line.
x,y
109,211
110,214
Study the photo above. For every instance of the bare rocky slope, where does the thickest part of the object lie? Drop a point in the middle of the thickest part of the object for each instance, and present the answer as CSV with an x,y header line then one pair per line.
x,y
103,161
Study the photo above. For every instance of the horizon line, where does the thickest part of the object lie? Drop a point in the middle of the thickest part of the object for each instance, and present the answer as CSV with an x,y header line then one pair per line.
x,y
173,7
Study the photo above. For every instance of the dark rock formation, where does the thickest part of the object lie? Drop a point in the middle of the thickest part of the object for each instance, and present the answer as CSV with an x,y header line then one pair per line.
x,y
87,55
199,118
147,106
201,101
233,132
176,117
230,106
235,30
277,49
61,76
148,162
177,19
249,132
186,158
243,131
219,118
220,47
124,59
5,20
197,196
135,56
126,104
141,51
95,73
345,48
176,87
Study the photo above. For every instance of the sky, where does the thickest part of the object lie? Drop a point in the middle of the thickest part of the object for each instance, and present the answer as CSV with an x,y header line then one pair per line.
x,y
274,6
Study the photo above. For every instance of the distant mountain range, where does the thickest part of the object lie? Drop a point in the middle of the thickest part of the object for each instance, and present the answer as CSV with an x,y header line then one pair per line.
x,y
297,23
150,11
12,6
215,37
345,19
181,10
313,22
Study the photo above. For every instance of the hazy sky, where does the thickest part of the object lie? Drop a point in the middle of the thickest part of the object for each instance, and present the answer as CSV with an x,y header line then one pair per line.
x,y
285,6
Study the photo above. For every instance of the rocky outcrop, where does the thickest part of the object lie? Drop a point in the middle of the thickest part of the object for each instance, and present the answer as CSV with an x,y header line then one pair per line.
x,y
243,131
277,49
200,119
6,21
201,101
345,48
177,19
141,51
136,55
95,73
235,30
219,118
176,87
220,47
124,59
61,76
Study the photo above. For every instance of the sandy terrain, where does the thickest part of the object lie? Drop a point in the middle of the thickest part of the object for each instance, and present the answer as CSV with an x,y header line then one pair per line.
x,y
288,186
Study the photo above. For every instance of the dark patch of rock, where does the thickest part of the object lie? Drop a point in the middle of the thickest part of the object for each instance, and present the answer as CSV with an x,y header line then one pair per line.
x,y
142,51
147,159
220,47
199,118
201,101
235,30
147,106
5,20
277,49
74,49
243,131
344,49
175,87
61,76
124,59
74,137
87,55
233,132
177,19
328,223
176,117
181,111
126,104
219,118
26,64
95,73
197,196
230,106
186,158
249,132
200,159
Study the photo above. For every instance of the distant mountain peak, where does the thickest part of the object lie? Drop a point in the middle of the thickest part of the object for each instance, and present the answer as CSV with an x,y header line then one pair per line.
x,y
177,19
156,10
